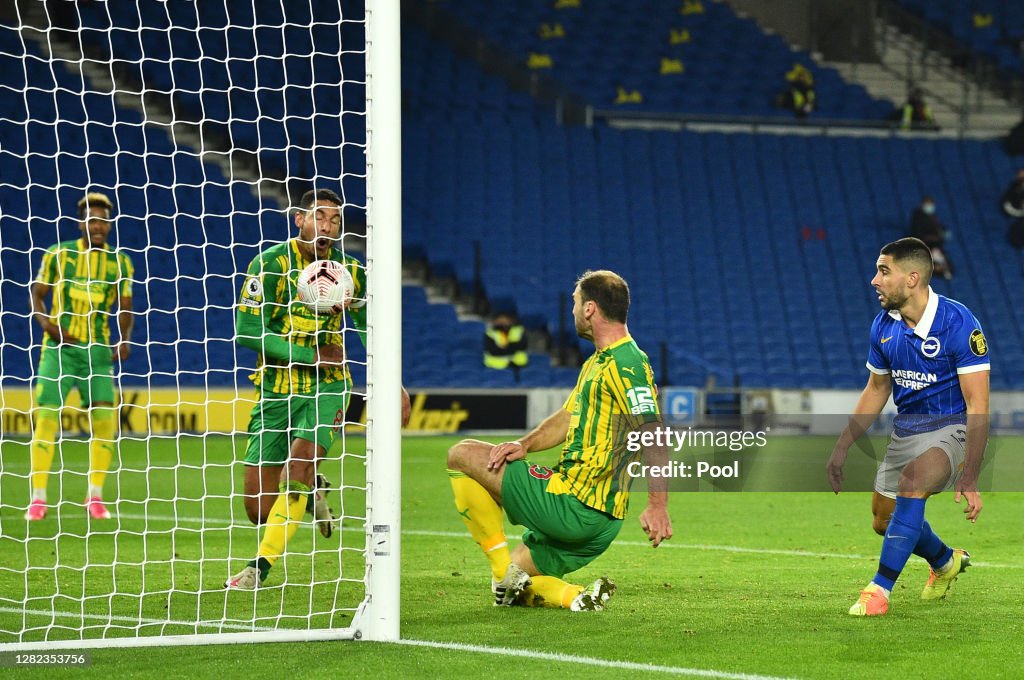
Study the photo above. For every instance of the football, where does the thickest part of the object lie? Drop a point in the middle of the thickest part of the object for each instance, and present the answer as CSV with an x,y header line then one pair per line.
x,y
325,286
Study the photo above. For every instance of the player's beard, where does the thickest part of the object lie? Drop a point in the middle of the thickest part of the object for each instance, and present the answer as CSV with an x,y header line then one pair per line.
x,y
583,331
895,300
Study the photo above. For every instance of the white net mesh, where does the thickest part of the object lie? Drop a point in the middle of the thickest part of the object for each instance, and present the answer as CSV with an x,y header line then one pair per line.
x,y
203,123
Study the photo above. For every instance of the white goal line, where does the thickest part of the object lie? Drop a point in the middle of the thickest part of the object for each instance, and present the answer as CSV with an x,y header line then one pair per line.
x,y
587,660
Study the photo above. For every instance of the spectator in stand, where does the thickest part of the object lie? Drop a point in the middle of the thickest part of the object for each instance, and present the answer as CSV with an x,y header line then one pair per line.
x,y
505,344
925,225
799,97
915,114
1013,206
1013,197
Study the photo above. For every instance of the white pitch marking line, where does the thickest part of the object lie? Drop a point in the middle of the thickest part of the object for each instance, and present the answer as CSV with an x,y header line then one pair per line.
x,y
587,661
131,619
501,651
633,544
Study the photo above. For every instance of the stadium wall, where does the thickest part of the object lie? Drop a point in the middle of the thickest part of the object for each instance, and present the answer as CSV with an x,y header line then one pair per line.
x,y
170,411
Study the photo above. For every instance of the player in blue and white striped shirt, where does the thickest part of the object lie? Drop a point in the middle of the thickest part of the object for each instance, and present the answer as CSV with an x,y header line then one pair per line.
x,y
930,354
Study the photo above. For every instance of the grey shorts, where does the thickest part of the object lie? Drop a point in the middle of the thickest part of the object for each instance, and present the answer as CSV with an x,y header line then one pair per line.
x,y
902,450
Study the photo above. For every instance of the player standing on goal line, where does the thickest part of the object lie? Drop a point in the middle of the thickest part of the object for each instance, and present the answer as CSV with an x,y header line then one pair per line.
x,y
574,512
304,385
86,277
934,351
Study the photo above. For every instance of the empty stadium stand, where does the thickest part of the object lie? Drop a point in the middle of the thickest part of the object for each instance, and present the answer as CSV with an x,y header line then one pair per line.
x,y
749,255
692,56
994,28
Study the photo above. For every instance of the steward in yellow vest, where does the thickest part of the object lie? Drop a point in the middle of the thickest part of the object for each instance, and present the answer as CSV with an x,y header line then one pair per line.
x,y
505,343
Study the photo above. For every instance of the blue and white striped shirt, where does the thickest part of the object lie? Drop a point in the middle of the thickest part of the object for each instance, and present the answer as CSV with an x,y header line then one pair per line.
x,y
925,362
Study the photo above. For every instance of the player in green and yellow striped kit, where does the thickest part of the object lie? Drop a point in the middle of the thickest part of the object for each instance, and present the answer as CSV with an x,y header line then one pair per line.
x,y
302,380
89,280
573,512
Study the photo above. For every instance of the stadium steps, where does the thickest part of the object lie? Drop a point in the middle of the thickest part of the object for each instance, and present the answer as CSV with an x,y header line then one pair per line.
x,y
904,58
605,48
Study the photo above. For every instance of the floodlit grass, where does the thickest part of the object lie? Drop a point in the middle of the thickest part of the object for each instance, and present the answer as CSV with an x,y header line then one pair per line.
x,y
754,583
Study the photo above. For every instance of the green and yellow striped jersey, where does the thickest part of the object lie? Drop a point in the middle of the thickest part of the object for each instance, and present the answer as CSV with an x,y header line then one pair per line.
x,y
269,296
87,282
614,394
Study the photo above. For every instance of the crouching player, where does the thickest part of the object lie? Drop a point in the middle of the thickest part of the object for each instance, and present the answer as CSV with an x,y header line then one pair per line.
x,y
573,512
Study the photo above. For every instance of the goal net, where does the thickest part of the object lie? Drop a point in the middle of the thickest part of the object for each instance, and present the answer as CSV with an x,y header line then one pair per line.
x,y
203,123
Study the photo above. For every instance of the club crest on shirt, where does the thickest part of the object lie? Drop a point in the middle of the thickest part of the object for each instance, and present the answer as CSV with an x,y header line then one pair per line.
x,y
540,472
930,347
979,346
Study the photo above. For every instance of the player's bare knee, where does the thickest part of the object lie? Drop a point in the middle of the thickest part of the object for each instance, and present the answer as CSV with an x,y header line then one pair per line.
x,y
456,455
880,525
914,487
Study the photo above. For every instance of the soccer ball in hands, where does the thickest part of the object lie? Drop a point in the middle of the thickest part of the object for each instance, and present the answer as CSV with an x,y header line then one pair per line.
x,y
325,286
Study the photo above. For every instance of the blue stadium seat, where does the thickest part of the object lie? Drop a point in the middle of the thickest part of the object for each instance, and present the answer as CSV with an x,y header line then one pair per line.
x,y
708,228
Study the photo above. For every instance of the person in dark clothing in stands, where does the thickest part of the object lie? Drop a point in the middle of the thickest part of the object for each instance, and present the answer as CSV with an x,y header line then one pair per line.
x,y
1012,204
505,344
925,225
1012,201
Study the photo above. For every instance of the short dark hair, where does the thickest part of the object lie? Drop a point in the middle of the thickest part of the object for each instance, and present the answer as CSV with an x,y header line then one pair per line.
x,y
913,251
310,198
94,199
609,290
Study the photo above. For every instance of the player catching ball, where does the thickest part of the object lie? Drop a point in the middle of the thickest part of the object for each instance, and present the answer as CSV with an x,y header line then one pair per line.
x,y
303,382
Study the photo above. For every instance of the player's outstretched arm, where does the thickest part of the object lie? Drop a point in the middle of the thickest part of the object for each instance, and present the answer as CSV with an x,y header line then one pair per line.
x,y
655,520
551,432
871,402
975,388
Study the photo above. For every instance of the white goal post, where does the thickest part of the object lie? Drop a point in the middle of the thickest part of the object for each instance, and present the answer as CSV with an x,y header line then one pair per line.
x,y
384,272
151,575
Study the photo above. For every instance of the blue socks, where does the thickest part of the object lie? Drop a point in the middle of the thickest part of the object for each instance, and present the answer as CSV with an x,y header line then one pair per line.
x,y
931,548
901,539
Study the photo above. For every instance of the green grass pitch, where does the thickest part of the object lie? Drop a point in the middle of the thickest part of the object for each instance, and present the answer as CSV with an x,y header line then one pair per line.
x,y
752,583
